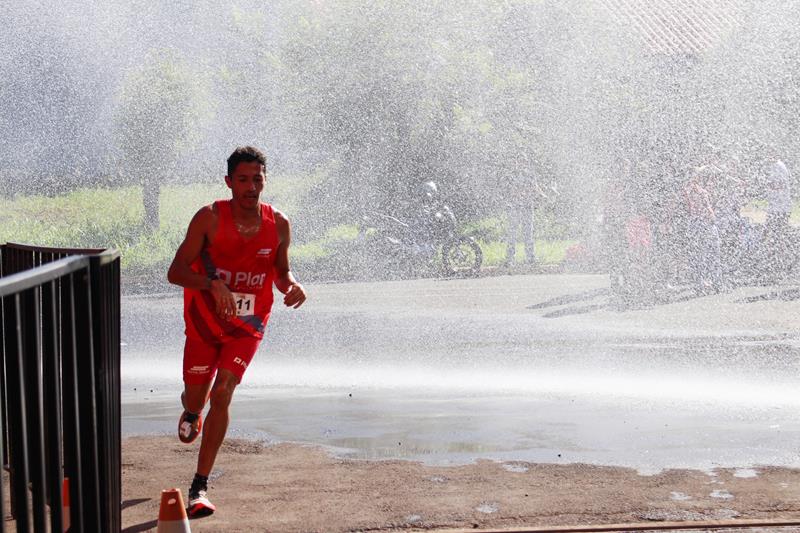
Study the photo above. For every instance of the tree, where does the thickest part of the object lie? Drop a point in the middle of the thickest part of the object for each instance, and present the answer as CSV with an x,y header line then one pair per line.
x,y
387,90
162,108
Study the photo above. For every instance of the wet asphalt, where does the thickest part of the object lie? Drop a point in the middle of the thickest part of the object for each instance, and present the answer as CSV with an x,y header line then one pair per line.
x,y
545,368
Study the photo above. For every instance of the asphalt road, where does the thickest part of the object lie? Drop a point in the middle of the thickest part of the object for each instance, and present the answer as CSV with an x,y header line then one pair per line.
x,y
540,368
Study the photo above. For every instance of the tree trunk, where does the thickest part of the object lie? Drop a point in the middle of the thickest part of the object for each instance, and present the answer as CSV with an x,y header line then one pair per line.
x,y
150,195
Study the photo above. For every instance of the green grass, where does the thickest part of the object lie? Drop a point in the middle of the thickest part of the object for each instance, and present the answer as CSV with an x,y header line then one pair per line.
x,y
547,252
323,247
490,233
82,218
103,218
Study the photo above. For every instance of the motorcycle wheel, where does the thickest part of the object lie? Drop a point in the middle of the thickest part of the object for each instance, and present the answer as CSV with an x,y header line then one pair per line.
x,y
462,257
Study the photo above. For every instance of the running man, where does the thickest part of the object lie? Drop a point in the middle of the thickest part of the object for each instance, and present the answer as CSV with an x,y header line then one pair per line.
x,y
233,252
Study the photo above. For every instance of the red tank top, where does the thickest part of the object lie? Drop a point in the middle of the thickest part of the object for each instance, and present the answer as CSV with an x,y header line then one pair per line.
x,y
246,267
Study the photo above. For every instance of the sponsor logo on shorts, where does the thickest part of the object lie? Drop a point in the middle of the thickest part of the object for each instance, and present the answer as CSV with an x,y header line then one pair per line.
x,y
239,361
264,251
198,369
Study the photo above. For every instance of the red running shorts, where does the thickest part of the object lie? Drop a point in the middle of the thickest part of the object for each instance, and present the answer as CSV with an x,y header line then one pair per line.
x,y
201,360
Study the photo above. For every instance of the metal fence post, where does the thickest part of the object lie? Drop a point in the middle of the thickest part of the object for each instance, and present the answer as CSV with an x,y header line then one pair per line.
x,y
32,374
17,423
72,422
87,402
105,306
51,348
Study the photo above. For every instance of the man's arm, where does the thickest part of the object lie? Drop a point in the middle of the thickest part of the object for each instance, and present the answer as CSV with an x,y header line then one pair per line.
x,y
181,273
284,279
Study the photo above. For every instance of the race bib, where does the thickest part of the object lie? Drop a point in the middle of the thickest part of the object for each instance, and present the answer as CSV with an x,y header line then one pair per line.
x,y
245,303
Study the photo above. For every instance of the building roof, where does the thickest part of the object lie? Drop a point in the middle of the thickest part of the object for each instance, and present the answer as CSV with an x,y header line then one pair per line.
x,y
677,27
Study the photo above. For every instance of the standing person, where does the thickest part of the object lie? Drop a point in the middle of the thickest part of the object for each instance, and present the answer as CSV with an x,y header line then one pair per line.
x,y
233,252
519,211
728,198
639,238
519,207
702,232
779,200
613,231
667,211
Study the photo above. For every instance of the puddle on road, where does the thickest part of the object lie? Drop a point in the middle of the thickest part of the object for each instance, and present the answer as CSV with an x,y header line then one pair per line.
x,y
487,508
721,494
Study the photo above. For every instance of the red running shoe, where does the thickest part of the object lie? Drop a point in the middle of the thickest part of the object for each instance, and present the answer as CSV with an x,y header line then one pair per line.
x,y
199,506
189,425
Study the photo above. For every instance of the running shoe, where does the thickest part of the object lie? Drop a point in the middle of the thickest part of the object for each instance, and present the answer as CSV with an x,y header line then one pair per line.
x,y
189,425
199,506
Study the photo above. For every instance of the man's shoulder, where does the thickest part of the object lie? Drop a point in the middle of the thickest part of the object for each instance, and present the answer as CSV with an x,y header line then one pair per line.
x,y
281,223
209,210
205,216
280,216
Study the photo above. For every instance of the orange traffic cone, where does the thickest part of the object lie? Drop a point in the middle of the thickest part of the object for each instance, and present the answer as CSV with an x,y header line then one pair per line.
x,y
65,505
172,515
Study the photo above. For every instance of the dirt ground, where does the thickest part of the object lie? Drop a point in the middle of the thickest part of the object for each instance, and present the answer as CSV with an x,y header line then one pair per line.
x,y
297,488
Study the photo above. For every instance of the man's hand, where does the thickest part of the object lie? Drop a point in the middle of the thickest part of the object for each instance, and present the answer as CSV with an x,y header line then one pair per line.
x,y
295,296
226,306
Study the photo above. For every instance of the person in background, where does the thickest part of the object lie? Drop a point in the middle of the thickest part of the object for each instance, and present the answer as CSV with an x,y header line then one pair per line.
x,y
702,233
613,232
520,225
667,225
779,200
728,198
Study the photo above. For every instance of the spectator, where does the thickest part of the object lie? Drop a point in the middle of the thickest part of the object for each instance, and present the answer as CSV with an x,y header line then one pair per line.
x,y
520,213
613,226
668,214
639,237
779,199
728,195
702,232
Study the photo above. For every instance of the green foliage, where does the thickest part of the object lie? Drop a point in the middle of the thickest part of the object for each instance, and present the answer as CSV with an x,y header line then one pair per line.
x,y
161,110
82,218
103,218
486,229
393,92
325,246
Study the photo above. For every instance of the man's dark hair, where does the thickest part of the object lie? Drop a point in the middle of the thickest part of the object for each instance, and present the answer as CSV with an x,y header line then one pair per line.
x,y
245,154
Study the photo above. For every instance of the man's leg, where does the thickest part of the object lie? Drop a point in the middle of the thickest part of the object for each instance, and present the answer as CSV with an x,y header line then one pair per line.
x,y
234,356
715,261
195,396
694,247
512,230
213,434
199,364
216,424
529,229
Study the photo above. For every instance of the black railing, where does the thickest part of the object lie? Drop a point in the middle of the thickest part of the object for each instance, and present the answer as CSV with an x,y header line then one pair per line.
x,y
60,388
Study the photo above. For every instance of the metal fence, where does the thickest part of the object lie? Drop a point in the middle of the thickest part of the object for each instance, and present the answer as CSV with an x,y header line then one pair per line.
x,y
60,389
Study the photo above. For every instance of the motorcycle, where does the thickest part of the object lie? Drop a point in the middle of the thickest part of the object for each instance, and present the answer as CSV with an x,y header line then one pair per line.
x,y
429,240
